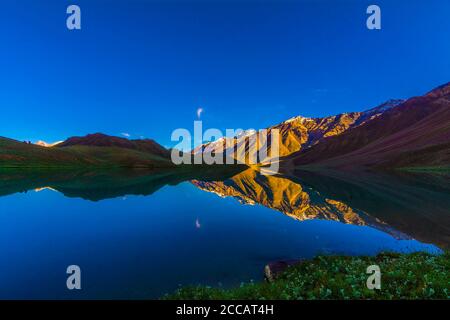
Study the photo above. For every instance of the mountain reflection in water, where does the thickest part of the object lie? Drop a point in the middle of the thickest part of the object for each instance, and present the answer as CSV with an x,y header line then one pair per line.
x,y
405,205
170,232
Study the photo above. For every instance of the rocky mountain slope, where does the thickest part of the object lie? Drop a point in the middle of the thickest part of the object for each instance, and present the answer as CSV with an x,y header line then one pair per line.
x,y
298,133
413,134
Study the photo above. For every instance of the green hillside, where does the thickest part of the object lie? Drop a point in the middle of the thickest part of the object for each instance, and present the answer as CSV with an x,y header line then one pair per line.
x,y
15,154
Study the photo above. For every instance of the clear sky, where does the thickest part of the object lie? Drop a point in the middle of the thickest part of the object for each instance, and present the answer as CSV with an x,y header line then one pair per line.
x,y
145,67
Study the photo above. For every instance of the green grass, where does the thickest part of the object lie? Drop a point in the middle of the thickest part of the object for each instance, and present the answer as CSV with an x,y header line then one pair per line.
x,y
15,154
403,276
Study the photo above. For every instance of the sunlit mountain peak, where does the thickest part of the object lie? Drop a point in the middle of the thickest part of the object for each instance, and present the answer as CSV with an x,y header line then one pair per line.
x,y
47,145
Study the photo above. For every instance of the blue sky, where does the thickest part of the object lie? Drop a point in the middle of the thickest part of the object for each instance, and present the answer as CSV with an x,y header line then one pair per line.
x,y
145,67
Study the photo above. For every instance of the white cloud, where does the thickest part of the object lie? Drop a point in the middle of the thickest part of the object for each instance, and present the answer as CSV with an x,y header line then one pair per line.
x,y
127,135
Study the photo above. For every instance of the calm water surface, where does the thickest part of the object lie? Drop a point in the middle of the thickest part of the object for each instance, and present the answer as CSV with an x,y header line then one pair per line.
x,y
217,233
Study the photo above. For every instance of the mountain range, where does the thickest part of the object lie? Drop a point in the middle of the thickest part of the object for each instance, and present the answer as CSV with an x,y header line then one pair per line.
x,y
299,133
412,133
398,133
415,133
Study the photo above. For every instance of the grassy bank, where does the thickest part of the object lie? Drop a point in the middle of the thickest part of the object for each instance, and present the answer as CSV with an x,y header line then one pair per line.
x,y
403,276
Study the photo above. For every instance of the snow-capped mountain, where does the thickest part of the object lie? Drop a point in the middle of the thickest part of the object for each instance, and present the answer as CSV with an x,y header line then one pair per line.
x,y
47,145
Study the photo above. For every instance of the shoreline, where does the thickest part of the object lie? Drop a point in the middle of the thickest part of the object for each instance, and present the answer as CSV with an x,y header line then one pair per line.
x,y
417,275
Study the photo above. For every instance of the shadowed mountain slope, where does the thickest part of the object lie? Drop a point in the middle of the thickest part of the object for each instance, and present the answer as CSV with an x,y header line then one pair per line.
x,y
415,133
